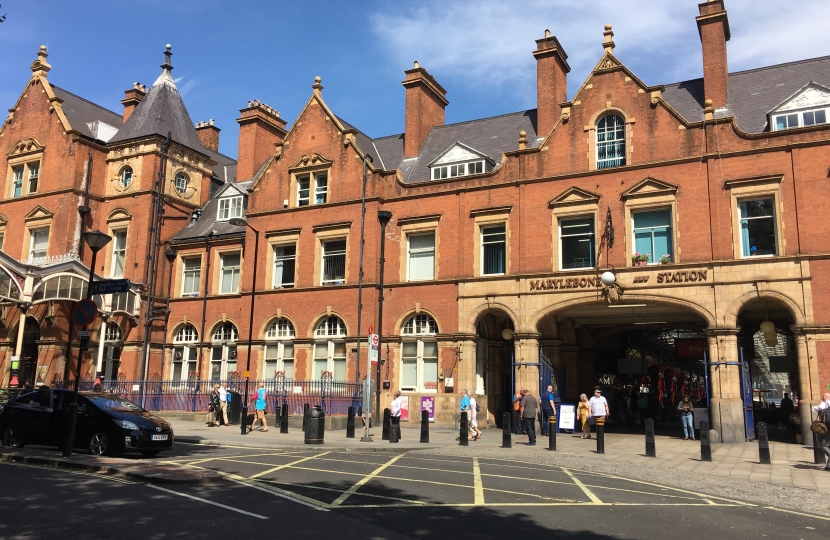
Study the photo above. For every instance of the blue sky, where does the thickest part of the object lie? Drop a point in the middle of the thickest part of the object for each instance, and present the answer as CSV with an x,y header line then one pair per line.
x,y
226,53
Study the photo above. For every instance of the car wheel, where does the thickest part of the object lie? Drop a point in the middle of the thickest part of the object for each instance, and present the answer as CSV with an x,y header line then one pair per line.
x,y
99,444
150,453
10,439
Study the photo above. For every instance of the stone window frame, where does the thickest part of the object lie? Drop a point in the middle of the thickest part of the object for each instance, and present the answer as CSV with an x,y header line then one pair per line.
x,y
489,217
34,224
185,346
417,226
758,187
187,186
279,342
217,263
122,172
419,338
311,172
589,208
25,162
325,234
591,131
117,220
330,340
230,349
645,204
277,239
179,277
3,223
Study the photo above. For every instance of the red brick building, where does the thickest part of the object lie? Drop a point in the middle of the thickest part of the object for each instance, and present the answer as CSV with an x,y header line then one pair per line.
x,y
703,199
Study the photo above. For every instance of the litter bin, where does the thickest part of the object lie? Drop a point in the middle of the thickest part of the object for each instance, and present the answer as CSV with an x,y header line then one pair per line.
x,y
315,425
234,406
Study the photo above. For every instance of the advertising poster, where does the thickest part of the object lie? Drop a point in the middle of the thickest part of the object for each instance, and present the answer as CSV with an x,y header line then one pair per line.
x,y
404,408
567,417
428,405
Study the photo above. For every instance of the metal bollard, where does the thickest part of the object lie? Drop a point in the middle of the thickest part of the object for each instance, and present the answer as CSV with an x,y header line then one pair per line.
x,y
818,455
284,418
387,424
350,424
506,435
464,432
705,443
651,450
305,410
552,433
600,435
763,444
424,426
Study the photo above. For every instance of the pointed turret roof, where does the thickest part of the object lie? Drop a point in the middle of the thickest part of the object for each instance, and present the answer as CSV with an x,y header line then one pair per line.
x,y
161,110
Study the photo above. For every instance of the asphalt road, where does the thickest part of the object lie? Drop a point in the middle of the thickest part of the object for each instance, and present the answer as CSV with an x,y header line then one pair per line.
x,y
319,494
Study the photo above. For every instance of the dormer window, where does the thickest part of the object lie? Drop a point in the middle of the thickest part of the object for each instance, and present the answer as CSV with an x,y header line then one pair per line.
x,y
800,119
229,207
462,169
459,160
807,107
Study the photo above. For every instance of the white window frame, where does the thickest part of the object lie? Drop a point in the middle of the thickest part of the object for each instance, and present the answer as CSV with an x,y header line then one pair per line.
x,y
34,234
592,236
195,273
229,208
125,178
186,341
670,227
280,263
337,253
454,170
410,250
34,175
303,194
235,271
598,144
17,181
119,252
182,182
482,243
419,330
773,217
278,338
224,338
321,187
799,118
330,331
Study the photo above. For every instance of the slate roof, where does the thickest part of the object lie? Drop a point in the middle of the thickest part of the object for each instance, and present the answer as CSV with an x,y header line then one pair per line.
x,y
81,112
196,230
752,93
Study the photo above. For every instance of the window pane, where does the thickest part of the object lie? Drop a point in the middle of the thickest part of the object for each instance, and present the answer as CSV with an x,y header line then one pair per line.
x,y
662,243
302,190
430,349
284,262
577,243
334,262
821,117
757,208
652,234
320,188
339,371
809,118
288,351
409,350
757,227
319,366
321,350
288,368
493,239
215,371
191,275
422,256
792,120
270,369
271,352
430,374
780,122
409,374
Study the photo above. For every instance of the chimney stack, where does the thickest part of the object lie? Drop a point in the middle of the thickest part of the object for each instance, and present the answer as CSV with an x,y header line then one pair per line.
x,y
208,134
260,128
132,98
713,26
551,82
425,104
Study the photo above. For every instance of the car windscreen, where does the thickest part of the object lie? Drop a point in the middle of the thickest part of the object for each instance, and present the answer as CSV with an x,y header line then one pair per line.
x,y
114,403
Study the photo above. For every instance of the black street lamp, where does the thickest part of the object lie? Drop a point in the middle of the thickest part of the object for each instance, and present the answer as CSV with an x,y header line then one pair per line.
x,y
95,240
243,423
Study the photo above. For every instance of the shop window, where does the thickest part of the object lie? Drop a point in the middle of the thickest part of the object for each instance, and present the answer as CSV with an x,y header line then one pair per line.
x,y
229,273
419,354
285,260
494,250
279,349
334,262
577,243
610,141
653,234
757,227
421,256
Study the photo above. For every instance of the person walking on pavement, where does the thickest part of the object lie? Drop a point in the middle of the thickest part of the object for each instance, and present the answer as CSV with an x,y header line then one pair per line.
x,y
474,431
518,425
260,405
687,417
548,408
823,410
223,404
584,412
599,406
213,406
395,410
529,410
465,407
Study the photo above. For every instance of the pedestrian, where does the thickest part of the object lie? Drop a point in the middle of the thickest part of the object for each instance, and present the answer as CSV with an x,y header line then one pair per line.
x,y
548,408
529,410
213,406
687,417
260,405
395,410
584,413
465,407
599,406
823,413
223,404
474,409
519,427
642,407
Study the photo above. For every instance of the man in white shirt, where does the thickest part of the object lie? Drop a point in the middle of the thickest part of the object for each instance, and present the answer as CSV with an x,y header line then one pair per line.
x,y
395,410
823,413
599,405
223,404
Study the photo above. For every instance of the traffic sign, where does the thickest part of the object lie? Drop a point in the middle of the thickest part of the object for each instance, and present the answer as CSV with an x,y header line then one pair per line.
x,y
85,313
374,340
110,286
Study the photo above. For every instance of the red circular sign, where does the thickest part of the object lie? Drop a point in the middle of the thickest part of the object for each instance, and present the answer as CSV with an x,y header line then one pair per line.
x,y
375,340
85,313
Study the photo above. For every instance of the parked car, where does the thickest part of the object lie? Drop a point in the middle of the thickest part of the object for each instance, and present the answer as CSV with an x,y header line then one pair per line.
x,y
107,424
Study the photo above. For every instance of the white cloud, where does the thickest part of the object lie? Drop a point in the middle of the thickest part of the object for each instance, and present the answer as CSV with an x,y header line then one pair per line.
x,y
488,43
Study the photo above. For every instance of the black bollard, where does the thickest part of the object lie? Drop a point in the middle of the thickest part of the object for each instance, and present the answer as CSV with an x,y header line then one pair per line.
x,y
506,435
394,430
350,424
818,455
464,432
651,450
763,444
705,443
284,419
387,424
552,433
305,410
600,435
424,426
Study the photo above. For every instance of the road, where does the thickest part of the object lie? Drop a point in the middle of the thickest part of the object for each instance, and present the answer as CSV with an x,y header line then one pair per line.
x,y
321,494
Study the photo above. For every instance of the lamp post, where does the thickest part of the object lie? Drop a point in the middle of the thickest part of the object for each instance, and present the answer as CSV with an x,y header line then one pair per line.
x,y
95,240
383,217
243,422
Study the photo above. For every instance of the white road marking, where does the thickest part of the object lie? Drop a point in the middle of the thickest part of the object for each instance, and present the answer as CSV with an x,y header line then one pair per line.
x,y
280,493
207,501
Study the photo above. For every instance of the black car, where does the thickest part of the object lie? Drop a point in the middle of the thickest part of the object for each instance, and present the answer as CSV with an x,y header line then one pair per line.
x,y
107,424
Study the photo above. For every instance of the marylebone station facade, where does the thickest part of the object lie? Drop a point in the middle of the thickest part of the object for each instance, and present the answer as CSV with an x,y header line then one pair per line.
x,y
651,240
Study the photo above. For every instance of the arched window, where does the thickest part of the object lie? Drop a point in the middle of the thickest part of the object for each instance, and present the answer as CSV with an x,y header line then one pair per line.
x,y
126,177
419,354
330,349
610,141
223,351
279,349
185,353
182,181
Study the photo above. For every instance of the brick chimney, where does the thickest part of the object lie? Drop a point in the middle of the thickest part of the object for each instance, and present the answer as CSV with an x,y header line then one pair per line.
x,y
551,82
132,98
425,103
260,128
713,26
208,134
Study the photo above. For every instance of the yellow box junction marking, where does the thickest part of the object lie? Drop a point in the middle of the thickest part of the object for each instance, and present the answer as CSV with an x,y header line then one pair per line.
x,y
594,499
364,480
478,487
279,467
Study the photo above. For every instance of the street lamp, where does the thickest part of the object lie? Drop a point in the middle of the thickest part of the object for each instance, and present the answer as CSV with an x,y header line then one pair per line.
x,y
239,222
95,240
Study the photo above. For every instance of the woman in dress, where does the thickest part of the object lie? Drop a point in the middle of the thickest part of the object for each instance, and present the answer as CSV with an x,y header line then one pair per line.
x,y
213,406
584,412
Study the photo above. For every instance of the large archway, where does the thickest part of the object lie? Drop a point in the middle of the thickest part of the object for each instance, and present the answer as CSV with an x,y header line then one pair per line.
x,y
494,362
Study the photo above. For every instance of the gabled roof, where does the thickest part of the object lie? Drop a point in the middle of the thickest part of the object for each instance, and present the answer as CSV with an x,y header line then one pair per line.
x,y
81,112
459,152
197,230
811,94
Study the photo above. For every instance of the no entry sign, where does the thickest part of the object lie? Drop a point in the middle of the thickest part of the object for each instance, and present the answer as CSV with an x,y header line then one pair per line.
x,y
85,313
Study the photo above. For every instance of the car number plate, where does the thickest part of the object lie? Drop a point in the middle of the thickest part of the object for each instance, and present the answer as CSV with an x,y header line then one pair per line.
x,y
162,437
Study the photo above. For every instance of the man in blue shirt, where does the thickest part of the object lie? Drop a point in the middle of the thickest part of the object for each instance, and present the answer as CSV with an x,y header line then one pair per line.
x,y
547,409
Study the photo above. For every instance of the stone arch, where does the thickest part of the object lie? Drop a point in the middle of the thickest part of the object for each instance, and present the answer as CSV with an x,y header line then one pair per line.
x,y
316,320
270,320
483,309
208,337
734,310
407,314
184,322
613,109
